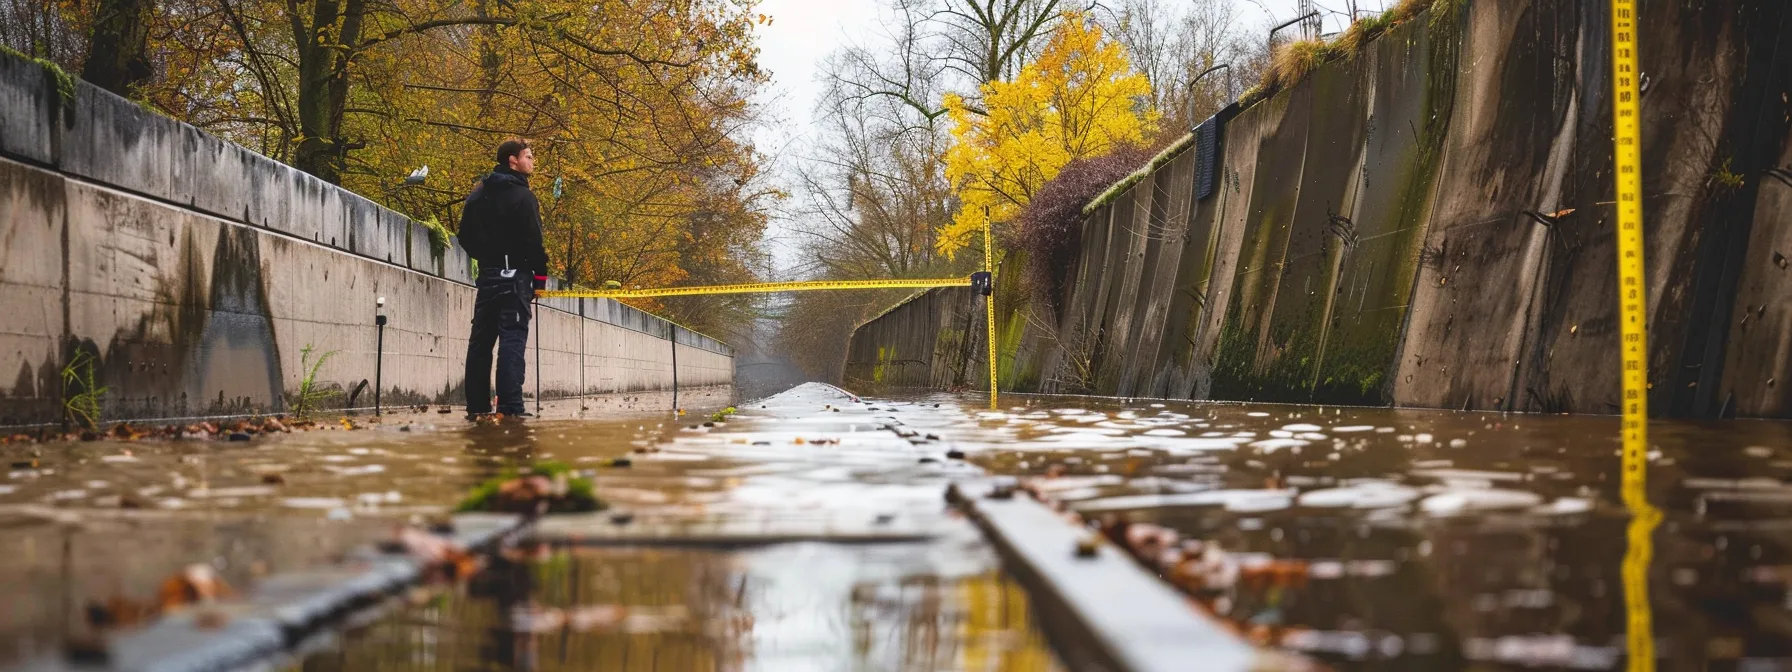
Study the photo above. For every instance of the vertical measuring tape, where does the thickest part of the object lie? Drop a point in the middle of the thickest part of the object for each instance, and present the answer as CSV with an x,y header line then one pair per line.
x,y
1633,320
1632,302
989,306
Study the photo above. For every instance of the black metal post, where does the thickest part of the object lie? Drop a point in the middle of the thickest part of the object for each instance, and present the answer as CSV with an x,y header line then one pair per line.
x,y
674,369
1295,20
1192,121
379,353
537,319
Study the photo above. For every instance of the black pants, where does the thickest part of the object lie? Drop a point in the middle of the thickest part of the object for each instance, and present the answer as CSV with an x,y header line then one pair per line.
x,y
501,316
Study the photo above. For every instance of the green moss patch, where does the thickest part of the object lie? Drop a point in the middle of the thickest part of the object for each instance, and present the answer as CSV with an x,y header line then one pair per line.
x,y
546,487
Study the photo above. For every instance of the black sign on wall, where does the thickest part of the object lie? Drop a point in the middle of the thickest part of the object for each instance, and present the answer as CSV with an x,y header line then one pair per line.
x,y
1209,136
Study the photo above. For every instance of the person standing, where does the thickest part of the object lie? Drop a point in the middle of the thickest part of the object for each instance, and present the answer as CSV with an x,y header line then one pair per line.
x,y
500,227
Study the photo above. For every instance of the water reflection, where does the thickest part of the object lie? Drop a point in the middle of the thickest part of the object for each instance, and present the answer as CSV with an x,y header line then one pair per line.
x,y
790,607
89,522
1402,539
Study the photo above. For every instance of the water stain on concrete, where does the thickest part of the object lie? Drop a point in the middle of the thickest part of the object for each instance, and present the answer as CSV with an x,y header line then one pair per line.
x,y
207,346
239,355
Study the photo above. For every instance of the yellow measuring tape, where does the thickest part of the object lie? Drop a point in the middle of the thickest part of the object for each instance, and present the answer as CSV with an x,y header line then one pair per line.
x,y
751,288
989,307
804,286
1633,322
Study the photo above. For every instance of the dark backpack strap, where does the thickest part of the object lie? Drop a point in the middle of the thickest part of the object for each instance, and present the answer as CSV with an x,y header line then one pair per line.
x,y
473,224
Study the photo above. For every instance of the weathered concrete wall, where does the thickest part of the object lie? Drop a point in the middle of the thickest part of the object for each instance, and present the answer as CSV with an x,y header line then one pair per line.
x,y
924,342
197,272
1427,223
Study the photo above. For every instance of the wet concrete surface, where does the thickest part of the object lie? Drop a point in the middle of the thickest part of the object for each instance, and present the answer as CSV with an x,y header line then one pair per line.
x,y
1399,539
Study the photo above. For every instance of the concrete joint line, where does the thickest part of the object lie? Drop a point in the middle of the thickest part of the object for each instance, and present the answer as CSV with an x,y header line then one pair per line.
x,y
1104,612
283,611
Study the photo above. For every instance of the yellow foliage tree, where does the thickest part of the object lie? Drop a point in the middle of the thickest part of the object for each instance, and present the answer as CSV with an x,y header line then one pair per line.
x,y
635,107
1080,98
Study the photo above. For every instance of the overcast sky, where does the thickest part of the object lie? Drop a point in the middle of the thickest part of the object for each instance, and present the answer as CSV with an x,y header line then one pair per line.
x,y
804,32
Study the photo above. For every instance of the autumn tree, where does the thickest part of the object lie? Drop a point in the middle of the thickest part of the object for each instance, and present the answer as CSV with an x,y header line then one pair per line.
x,y
991,40
655,189
118,60
1080,98
636,109
332,41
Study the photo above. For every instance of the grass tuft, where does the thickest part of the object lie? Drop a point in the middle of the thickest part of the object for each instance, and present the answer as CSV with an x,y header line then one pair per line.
x,y
81,390
1291,61
1724,180
310,395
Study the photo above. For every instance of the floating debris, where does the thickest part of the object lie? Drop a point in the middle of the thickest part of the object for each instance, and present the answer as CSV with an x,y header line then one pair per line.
x,y
441,557
547,487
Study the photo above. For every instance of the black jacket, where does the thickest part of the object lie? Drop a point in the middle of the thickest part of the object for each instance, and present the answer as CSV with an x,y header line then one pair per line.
x,y
502,218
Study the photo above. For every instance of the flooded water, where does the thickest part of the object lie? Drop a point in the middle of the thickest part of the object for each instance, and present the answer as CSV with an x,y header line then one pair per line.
x,y
1400,539
941,604
808,606
1367,538
88,522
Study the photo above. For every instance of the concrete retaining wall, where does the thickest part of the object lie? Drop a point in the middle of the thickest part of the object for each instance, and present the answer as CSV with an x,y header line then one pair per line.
x,y
1379,235
923,343
197,272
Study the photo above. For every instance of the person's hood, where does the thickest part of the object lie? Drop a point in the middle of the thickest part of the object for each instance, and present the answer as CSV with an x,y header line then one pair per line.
x,y
503,176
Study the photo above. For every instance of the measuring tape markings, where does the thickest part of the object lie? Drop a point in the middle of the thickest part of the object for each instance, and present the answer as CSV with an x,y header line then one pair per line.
x,y
989,307
1633,323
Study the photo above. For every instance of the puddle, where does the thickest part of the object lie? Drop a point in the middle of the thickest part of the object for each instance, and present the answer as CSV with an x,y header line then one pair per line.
x,y
786,607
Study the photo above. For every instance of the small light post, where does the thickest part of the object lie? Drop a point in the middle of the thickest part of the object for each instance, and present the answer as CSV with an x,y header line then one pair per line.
x,y
379,352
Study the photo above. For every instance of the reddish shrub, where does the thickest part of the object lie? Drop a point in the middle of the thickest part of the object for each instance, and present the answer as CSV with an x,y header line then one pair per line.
x,y
1050,227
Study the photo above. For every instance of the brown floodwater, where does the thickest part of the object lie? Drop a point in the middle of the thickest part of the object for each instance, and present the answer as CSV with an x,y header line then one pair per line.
x,y
1422,540
97,520
87,522
1433,540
